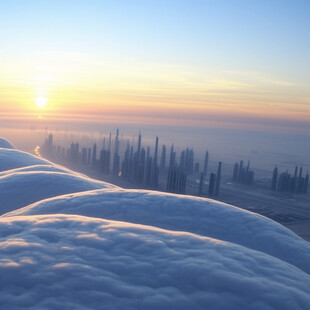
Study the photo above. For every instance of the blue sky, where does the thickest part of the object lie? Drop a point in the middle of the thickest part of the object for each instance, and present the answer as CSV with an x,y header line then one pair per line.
x,y
191,31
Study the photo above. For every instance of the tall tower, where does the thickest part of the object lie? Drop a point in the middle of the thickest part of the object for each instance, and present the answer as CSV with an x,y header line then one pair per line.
x,y
274,179
172,158
109,145
116,142
156,151
139,147
94,158
116,157
163,157
205,167
155,169
136,161
182,161
148,168
218,179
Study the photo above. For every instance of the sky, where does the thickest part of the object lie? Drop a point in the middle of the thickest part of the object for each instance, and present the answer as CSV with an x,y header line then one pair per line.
x,y
224,64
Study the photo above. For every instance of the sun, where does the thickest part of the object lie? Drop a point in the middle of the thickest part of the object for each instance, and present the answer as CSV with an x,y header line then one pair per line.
x,y
41,102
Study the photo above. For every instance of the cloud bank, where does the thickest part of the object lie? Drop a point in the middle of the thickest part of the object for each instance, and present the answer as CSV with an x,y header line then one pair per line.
x,y
182,213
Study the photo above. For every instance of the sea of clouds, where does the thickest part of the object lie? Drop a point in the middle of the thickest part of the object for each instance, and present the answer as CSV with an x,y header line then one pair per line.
x,y
71,242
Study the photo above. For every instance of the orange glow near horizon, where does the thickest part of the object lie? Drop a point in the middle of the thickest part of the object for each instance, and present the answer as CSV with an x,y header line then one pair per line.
x,y
66,85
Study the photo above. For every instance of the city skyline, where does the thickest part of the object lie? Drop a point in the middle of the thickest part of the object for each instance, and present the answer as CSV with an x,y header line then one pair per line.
x,y
141,164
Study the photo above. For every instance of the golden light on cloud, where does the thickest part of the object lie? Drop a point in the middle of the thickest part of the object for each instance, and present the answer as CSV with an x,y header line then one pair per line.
x,y
41,102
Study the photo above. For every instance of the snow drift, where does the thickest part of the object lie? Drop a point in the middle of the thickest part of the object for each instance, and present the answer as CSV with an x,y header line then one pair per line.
x,y
100,246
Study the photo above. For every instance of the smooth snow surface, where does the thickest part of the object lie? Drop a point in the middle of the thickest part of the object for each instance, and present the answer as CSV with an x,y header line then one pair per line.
x,y
103,247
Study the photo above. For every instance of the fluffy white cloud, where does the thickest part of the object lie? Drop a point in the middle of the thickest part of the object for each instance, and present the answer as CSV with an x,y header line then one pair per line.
x,y
183,213
25,179
11,159
19,189
75,262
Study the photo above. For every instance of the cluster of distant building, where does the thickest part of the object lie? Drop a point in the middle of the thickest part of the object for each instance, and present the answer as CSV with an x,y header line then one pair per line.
x,y
243,175
138,165
284,182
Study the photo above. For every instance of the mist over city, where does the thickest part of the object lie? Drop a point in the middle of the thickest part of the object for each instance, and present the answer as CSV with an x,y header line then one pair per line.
x,y
154,154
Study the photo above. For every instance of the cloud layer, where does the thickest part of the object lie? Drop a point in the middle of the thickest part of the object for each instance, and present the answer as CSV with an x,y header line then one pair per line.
x,y
69,262
182,213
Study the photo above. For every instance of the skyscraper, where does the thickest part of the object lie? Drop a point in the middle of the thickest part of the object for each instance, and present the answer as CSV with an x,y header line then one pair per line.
x,y
163,158
139,147
116,157
176,181
148,168
172,158
274,178
205,167
94,157
300,181
218,179
155,170
109,145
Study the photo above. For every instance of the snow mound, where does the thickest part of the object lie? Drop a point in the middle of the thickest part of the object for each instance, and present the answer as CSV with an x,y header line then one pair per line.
x,y
182,213
22,188
5,144
75,262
